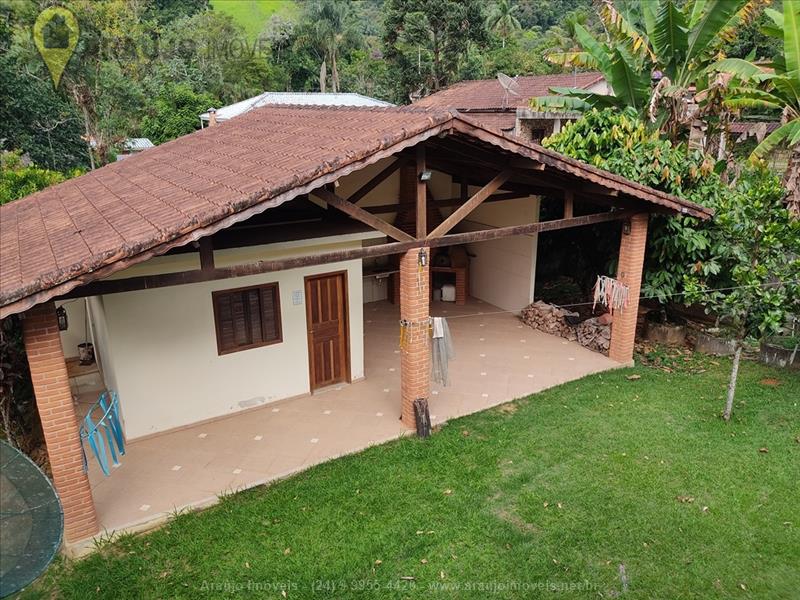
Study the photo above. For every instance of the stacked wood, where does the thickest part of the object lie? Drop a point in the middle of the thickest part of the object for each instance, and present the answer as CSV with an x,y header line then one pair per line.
x,y
550,319
594,333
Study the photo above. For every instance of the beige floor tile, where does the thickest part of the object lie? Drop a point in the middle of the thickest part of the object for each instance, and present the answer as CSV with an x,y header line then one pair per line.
x,y
225,455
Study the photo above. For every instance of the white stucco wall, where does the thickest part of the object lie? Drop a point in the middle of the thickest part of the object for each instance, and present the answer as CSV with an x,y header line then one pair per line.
x,y
162,348
102,342
503,272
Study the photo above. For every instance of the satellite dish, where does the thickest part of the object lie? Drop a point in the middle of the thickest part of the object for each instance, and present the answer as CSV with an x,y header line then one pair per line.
x,y
31,520
510,86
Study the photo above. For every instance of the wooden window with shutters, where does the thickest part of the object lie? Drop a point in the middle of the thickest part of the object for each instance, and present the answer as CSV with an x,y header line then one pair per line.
x,y
247,318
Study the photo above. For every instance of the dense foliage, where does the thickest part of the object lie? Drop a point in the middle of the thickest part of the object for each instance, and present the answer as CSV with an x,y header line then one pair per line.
x,y
19,178
176,113
135,60
760,250
621,143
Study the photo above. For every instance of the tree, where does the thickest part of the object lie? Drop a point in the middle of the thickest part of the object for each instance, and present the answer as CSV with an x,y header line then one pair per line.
x,y
547,13
762,254
34,117
165,11
502,19
775,88
677,45
329,28
425,41
176,112
213,48
523,54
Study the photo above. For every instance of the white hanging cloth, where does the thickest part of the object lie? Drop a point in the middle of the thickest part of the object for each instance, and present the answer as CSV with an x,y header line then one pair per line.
x,y
610,293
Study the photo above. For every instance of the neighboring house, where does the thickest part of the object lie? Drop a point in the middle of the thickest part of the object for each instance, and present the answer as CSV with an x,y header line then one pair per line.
x,y
291,98
131,146
487,101
226,269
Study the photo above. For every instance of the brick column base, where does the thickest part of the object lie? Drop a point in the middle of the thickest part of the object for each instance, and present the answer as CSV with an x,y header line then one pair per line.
x,y
54,400
629,272
415,358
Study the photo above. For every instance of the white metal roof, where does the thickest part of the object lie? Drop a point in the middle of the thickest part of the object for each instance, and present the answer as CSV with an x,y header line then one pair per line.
x,y
302,98
137,144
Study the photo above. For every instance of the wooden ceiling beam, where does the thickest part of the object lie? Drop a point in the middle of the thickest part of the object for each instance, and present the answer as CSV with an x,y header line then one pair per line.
x,y
112,286
362,215
378,179
382,209
462,211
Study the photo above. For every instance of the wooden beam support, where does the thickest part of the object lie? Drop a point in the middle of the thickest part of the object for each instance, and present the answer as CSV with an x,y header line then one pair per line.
x,y
206,253
462,211
592,188
422,194
527,164
382,176
382,209
360,214
569,201
113,286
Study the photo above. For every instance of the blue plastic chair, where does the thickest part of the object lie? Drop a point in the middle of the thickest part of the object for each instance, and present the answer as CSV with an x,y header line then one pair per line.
x,y
106,426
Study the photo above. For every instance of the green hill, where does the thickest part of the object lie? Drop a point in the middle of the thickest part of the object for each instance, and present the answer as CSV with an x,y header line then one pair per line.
x,y
253,15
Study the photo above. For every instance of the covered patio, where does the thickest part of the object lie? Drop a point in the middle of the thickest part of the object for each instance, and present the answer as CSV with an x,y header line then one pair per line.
x,y
224,271
497,360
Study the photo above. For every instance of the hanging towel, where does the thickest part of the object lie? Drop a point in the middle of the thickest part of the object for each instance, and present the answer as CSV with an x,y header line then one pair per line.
x,y
441,351
438,327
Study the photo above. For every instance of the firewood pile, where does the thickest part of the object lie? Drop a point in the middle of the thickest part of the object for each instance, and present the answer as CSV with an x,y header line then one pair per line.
x,y
593,333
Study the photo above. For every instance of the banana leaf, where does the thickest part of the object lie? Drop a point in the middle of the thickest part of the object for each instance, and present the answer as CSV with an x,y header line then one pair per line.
x,y
671,37
791,35
785,133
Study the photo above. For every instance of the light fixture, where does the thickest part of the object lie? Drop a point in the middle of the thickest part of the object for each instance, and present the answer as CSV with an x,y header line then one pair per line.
x,y
61,316
425,175
422,257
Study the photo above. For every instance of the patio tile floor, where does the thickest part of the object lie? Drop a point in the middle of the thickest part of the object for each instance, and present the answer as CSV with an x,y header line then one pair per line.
x,y
496,360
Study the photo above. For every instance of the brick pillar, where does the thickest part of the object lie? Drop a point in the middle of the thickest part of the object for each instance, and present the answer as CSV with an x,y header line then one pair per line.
x,y
415,359
54,400
629,272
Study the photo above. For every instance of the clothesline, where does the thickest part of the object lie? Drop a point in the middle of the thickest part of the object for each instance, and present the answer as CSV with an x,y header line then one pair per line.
x,y
574,305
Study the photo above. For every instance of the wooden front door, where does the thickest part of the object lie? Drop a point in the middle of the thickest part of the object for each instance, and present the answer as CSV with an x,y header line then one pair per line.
x,y
326,320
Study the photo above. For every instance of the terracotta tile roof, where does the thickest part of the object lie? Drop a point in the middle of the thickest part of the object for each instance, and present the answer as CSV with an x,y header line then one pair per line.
x,y
127,207
91,226
504,121
753,127
489,94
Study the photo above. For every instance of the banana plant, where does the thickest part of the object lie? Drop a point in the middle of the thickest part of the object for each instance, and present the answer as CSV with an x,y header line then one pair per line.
x,y
675,46
775,88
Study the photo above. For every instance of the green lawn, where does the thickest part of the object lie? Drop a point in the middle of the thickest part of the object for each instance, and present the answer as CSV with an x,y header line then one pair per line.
x,y
253,15
552,491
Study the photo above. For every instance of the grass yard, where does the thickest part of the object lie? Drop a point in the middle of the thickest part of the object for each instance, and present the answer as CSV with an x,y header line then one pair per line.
x,y
253,15
544,497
